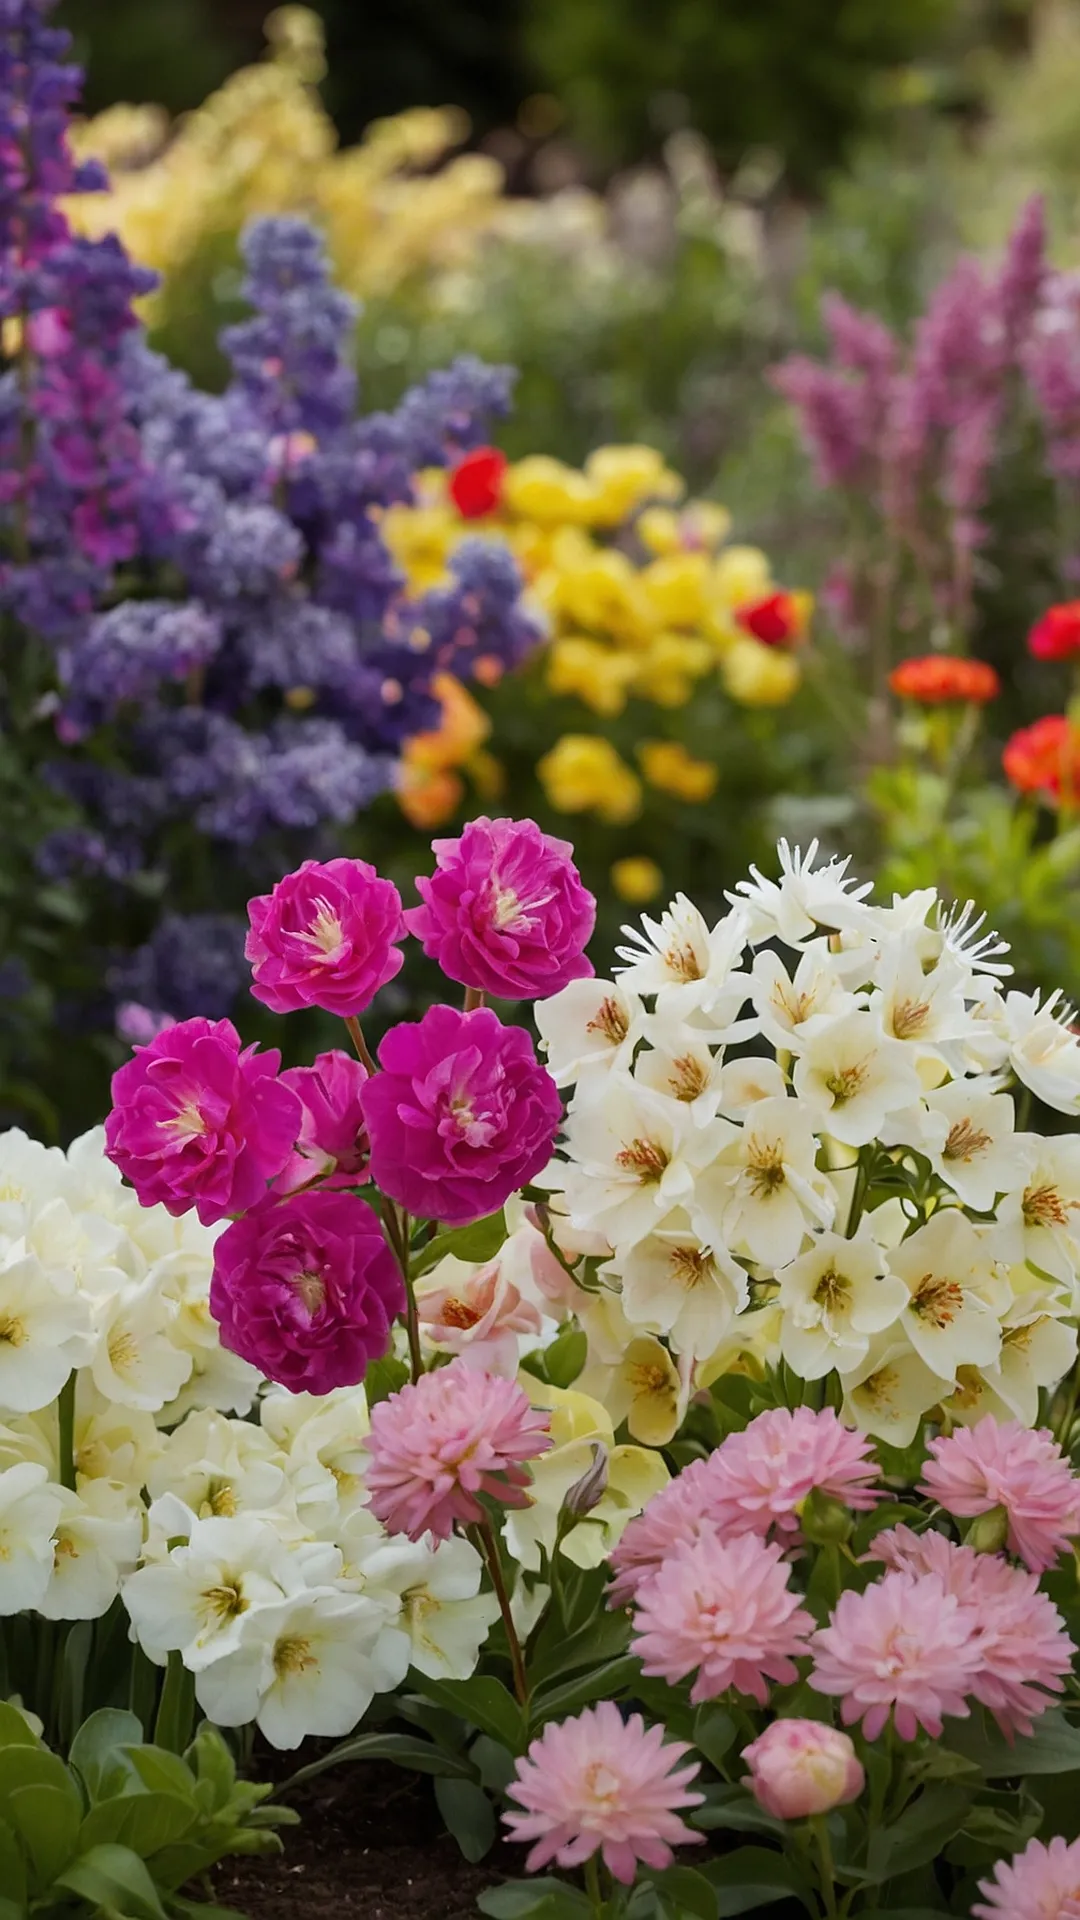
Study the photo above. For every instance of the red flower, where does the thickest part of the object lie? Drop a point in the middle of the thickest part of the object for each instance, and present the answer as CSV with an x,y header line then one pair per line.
x,y
1045,758
779,620
935,678
476,482
1057,635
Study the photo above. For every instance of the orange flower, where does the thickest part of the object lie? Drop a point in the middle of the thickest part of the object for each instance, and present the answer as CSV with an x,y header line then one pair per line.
x,y
779,619
1045,759
936,678
429,791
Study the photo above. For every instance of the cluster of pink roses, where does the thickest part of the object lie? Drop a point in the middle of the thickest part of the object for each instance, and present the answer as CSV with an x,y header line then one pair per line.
x,y
456,1116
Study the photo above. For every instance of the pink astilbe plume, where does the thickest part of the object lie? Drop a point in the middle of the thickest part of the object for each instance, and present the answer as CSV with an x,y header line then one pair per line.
x,y
905,1647
438,1444
1002,1464
601,1782
1023,1647
759,1479
1042,1883
724,1608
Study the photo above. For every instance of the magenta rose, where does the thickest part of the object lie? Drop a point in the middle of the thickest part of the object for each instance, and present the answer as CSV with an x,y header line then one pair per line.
x,y
461,1115
197,1121
332,1144
326,937
505,911
306,1289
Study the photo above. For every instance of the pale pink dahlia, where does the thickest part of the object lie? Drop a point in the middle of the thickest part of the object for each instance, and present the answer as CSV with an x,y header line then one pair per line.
x,y
436,1445
725,1608
1042,1883
1020,1637
599,1781
760,1478
904,1646
1023,1471
675,1516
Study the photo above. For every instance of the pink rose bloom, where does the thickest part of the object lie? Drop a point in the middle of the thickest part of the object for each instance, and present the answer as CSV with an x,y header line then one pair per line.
x,y
599,1782
505,911
1023,1647
331,1145
1023,1471
760,1477
726,1609
905,1647
1042,1883
306,1289
800,1767
197,1121
478,1317
461,1115
438,1444
326,937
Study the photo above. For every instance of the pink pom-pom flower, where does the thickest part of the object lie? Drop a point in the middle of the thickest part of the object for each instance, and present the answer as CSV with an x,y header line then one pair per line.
x,y
325,937
505,911
1021,1470
904,1647
306,1289
800,1767
438,1444
331,1145
1042,1883
198,1121
759,1478
602,1783
461,1116
725,1609
676,1516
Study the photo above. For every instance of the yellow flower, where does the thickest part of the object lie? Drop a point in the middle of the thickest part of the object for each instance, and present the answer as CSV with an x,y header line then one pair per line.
x,y
699,527
677,586
667,671
543,489
741,574
584,774
759,676
591,672
637,879
598,588
622,477
669,767
421,540
579,1425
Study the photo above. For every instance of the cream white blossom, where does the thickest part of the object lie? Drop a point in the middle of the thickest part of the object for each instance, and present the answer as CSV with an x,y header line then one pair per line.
x,y
850,1075
30,1509
835,1298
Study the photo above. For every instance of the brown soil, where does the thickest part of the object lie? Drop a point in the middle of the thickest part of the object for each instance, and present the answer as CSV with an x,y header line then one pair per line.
x,y
371,1844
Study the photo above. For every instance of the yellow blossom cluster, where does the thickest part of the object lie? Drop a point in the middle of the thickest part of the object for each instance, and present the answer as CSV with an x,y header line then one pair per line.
x,y
264,144
643,598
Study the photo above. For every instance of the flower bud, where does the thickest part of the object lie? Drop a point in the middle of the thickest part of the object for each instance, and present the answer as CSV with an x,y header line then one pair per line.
x,y
587,1492
824,1519
988,1532
799,1768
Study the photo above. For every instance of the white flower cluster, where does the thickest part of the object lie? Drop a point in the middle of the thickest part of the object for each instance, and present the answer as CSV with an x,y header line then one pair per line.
x,y
244,1546
790,1136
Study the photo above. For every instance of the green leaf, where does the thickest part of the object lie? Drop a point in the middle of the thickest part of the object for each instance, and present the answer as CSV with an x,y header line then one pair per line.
x,y
209,1759
420,1756
714,1734
47,1821
1054,1747
752,1877
546,1899
921,1833
161,1771
469,1815
683,1892
383,1378
34,1767
477,1242
114,1877
603,1683
483,1701
566,1356
734,1810
14,1731
97,1750
176,1708
493,1762
12,1868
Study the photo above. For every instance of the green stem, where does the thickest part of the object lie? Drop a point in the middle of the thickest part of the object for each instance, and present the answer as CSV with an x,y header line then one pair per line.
x,y
66,1411
593,1887
819,1828
363,1052
397,1232
489,1547
858,1195
474,997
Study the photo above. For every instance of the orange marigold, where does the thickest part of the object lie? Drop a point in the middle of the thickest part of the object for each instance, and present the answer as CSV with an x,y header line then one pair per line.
x,y
936,678
1045,758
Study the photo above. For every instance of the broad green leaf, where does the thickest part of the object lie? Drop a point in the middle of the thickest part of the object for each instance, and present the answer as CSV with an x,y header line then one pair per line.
x,y
116,1878
921,1833
557,1653
47,1821
22,1767
469,1815
12,1868
157,1820
1054,1747
734,1810
684,1893
603,1683
566,1356
493,1762
752,1877
210,1761
483,1701
714,1734
14,1731
420,1756
477,1242
383,1378
176,1708
545,1899
163,1771
97,1750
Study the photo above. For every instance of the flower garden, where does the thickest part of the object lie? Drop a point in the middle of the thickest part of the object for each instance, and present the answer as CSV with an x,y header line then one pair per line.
x,y
539,1074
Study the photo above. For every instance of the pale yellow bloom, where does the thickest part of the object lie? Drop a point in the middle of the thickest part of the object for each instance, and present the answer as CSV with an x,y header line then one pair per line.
x,y
667,670
592,672
759,676
699,526
668,766
637,879
583,773
544,489
622,477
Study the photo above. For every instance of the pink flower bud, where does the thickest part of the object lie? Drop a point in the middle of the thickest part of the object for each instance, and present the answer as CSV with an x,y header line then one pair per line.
x,y
799,1767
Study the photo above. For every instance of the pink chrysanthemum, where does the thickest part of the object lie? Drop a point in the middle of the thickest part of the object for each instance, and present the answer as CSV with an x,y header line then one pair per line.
x,y
599,1781
1042,1883
675,1516
904,1646
436,1445
1002,1464
1023,1647
725,1608
760,1478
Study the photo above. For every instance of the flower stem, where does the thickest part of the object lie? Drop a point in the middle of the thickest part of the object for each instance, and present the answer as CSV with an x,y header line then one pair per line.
x,y
397,1232
820,1829
592,1885
66,1444
474,997
490,1549
363,1053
